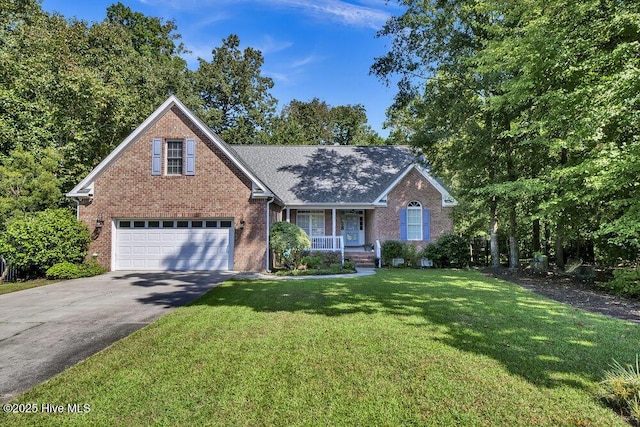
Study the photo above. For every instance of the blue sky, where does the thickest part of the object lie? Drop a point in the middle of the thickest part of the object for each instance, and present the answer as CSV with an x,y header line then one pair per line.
x,y
311,48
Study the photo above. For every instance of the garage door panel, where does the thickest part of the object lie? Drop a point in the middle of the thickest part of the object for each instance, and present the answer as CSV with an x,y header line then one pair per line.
x,y
173,249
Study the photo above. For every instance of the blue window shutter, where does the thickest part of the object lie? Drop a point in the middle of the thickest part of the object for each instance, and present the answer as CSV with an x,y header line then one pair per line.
x,y
403,224
191,157
156,156
426,225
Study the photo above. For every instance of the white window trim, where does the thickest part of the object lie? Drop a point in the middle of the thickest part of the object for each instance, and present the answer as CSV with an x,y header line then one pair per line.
x,y
310,214
166,157
414,206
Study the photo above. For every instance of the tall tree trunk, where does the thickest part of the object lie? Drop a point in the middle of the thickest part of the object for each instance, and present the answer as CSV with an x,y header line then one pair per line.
x,y
493,232
547,239
7,266
514,253
559,248
536,235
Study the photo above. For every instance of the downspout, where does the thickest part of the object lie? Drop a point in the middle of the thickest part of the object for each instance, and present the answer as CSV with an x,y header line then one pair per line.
x,y
268,226
75,199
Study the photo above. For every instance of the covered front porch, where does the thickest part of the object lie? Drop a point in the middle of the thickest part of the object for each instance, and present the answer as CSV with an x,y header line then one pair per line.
x,y
345,229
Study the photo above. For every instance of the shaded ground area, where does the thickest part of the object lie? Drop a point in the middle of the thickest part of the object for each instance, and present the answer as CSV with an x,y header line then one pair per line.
x,y
577,293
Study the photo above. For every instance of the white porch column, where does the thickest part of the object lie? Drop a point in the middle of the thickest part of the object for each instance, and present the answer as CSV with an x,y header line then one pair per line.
x,y
333,222
288,214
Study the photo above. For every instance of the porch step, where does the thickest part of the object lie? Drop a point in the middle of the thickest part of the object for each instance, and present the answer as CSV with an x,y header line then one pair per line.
x,y
361,259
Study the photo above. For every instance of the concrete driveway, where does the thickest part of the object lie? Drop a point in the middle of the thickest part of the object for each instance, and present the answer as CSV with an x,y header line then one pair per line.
x,y
45,330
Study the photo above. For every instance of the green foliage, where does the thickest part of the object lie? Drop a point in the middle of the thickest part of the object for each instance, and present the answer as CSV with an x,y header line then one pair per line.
x,y
391,249
450,250
288,242
80,88
312,262
531,116
626,282
620,388
317,123
63,270
349,266
321,259
67,270
410,254
234,96
435,253
36,241
29,183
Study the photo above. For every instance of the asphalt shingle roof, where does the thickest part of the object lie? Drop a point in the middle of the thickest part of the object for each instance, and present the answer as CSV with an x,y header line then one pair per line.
x,y
326,174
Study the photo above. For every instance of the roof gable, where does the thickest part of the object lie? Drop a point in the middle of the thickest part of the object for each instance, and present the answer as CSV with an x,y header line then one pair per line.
x,y
447,199
85,187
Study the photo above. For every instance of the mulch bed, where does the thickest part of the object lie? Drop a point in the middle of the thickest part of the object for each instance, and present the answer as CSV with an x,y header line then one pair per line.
x,y
577,293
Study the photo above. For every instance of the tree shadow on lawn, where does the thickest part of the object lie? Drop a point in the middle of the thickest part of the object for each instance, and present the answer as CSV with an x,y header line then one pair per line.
x,y
547,343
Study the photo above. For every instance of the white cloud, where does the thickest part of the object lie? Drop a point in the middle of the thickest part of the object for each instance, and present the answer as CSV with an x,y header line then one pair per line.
x,y
368,13
340,11
270,45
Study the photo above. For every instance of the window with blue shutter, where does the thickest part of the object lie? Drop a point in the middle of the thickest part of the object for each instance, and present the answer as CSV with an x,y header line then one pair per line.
x,y
190,168
414,221
156,156
426,225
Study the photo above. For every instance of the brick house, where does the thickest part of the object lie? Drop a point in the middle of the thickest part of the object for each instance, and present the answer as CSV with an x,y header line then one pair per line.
x,y
174,196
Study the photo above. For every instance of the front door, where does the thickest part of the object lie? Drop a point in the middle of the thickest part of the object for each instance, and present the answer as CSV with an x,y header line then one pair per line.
x,y
353,229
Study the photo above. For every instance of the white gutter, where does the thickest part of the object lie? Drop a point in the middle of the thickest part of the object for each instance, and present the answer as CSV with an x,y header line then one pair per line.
x,y
75,199
268,226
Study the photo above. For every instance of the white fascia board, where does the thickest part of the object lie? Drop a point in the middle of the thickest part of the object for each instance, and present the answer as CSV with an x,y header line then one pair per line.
x,y
313,206
447,199
80,190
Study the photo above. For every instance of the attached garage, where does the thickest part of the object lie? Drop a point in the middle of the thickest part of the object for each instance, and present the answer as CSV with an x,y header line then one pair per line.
x,y
173,244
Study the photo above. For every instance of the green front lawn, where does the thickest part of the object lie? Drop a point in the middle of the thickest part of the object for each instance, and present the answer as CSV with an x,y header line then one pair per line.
x,y
8,287
403,347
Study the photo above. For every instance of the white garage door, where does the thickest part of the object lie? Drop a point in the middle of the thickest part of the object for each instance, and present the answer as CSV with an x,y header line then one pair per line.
x,y
202,244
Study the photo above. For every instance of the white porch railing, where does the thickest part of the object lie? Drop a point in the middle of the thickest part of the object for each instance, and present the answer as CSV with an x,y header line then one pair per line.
x,y
328,243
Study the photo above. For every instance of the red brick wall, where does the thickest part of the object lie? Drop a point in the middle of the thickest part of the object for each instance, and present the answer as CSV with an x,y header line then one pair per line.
x,y
413,187
126,189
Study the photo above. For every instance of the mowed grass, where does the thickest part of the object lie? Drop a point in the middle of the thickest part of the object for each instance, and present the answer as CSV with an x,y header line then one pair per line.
x,y
8,287
403,347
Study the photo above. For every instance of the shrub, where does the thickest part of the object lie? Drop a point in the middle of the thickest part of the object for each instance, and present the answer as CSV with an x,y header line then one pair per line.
x,y
626,282
312,261
36,241
450,250
92,268
434,252
349,266
620,388
410,254
288,242
391,249
66,270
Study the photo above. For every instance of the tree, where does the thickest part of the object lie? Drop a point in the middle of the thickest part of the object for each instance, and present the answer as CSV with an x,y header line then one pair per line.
x,y
288,242
234,96
36,241
450,104
79,88
28,183
529,107
317,123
